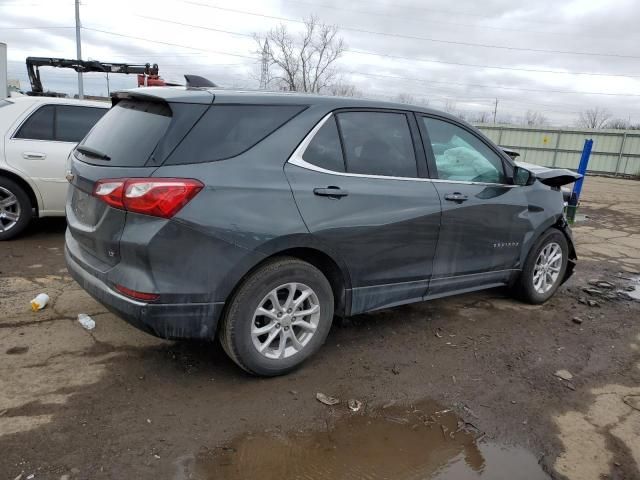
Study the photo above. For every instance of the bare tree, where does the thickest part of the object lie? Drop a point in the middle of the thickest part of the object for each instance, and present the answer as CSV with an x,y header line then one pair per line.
x,y
618,124
482,117
340,89
405,98
533,119
593,117
304,62
449,106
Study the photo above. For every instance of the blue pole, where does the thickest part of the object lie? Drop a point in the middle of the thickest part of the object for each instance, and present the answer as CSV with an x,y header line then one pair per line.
x,y
582,170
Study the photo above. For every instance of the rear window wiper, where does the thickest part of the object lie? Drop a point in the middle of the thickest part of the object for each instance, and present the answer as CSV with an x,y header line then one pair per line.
x,y
92,152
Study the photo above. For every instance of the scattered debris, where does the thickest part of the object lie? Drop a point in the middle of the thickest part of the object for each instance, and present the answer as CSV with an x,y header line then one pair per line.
x,y
564,375
469,411
453,377
570,386
389,404
293,392
593,303
148,420
395,370
155,455
2,412
577,320
444,431
65,477
326,399
633,401
39,302
86,321
437,332
354,405
29,477
592,291
582,300
19,477
607,285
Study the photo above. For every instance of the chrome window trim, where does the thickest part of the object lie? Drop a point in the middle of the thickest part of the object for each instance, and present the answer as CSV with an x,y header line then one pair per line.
x,y
297,160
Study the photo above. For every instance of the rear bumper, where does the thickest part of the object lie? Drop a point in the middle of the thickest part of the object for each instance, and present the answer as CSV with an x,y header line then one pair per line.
x,y
171,321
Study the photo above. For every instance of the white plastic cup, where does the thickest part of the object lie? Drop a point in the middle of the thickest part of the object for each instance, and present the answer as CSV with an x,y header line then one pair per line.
x,y
39,302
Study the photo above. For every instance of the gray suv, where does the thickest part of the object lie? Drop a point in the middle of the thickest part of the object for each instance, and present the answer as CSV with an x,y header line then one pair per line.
x,y
256,217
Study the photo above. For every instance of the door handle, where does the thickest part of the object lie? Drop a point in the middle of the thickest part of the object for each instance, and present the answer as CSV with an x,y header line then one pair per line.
x,y
34,155
333,192
456,197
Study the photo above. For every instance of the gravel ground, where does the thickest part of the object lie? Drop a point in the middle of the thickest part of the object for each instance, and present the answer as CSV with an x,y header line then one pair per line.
x,y
117,403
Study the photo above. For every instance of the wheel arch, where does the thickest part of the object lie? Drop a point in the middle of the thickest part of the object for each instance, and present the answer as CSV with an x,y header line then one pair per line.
x,y
305,248
25,185
560,224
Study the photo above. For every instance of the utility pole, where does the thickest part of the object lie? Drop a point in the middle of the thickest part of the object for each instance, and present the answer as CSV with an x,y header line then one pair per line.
x,y
108,90
79,50
264,70
495,111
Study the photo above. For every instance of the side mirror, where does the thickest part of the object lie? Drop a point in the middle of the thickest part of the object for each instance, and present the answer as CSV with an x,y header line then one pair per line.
x,y
523,177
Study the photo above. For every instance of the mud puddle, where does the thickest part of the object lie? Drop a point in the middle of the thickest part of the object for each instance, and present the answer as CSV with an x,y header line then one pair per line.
x,y
399,443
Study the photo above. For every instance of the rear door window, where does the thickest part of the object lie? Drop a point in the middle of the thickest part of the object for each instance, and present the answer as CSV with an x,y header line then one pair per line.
x,y
324,150
377,143
226,131
72,123
128,133
39,126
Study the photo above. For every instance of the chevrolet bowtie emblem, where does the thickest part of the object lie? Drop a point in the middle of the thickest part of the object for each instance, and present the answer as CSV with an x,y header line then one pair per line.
x,y
69,176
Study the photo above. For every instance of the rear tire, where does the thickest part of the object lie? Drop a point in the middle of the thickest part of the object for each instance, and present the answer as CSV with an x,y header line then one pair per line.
x,y
15,209
261,331
544,268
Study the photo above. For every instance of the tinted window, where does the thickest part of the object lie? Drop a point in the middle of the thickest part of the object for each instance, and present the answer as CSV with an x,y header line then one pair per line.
x,y
225,131
73,123
377,143
128,133
461,155
39,126
324,150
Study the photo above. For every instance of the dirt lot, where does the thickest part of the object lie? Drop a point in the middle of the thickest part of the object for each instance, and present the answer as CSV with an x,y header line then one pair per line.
x,y
455,388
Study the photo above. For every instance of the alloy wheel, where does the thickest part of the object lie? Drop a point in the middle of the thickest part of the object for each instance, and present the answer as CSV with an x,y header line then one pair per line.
x,y
9,210
547,268
285,321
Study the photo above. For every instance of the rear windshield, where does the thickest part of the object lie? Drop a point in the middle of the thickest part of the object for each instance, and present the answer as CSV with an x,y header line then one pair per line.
x,y
128,133
229,130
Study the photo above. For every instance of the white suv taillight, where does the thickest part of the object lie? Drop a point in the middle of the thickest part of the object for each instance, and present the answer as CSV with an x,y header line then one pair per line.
x,y
158,197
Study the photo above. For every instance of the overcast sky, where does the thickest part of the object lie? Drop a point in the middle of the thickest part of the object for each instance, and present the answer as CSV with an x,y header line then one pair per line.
x,y
525,53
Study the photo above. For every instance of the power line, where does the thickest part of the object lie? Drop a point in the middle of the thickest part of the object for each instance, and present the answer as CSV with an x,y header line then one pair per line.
x,y
415,37
33,28
165,43
439,22
502,87
365,52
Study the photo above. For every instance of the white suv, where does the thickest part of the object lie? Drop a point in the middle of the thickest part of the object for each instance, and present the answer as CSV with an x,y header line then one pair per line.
x,y
38,135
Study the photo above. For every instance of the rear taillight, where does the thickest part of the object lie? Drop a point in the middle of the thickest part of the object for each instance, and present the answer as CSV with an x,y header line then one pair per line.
x,y
147,297
158,197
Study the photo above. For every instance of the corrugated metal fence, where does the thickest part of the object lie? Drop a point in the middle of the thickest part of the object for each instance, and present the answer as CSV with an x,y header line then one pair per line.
x,y
614,151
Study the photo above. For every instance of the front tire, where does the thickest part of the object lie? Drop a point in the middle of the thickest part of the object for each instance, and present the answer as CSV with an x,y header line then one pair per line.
x,y
15,209
544,268
279,316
